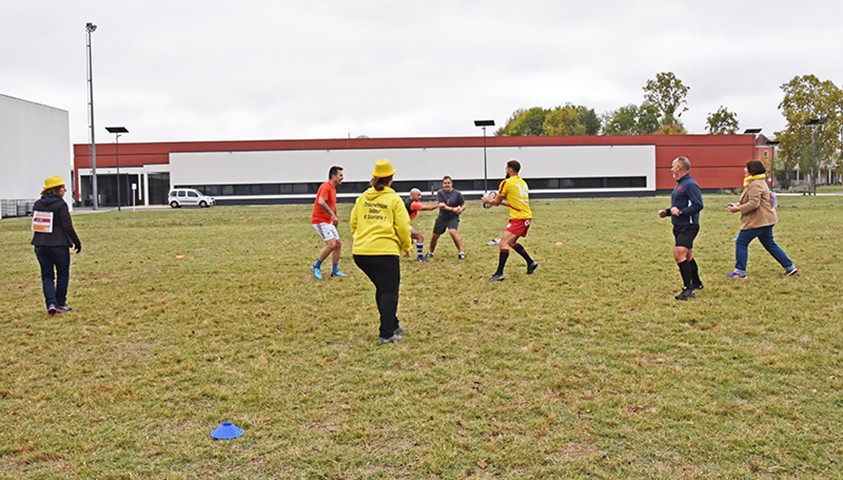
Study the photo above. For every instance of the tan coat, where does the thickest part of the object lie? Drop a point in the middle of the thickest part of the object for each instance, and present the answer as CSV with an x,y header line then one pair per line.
x,y
756,209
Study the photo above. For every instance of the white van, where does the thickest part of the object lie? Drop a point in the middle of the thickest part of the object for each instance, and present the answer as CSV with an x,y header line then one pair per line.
x,y
189,197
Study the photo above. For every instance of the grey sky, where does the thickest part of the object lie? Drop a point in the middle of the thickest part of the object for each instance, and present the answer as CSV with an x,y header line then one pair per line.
x,y
214,70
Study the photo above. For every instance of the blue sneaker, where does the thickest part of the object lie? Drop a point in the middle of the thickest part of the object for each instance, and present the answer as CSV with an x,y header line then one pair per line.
x,y
317,273
736,275
421,258
338,274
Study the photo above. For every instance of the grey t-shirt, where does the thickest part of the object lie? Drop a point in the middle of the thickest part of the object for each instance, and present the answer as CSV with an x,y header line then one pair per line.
x,y
452,199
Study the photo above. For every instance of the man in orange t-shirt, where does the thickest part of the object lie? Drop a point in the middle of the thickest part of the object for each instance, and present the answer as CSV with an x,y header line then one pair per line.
x,y
324,220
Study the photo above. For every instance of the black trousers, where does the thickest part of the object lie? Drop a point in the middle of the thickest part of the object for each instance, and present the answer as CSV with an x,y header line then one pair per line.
x,y
385,273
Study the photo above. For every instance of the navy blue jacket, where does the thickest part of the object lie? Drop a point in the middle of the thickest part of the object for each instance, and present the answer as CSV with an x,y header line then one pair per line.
x,y
687,197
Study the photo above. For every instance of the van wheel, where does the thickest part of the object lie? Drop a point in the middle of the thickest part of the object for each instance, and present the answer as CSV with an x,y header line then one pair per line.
x,y
203,204
174,204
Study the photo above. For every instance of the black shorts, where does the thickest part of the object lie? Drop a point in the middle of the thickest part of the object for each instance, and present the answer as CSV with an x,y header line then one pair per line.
x,y
685,234
440,226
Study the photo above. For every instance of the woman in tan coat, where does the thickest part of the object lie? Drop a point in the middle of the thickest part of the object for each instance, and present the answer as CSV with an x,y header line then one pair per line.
x,y
757,219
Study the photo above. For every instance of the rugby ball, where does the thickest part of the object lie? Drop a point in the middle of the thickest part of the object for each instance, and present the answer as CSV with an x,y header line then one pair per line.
x,y
488,199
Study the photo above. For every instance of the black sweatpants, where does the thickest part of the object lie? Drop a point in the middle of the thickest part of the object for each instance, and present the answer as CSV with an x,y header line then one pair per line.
x,y
385,272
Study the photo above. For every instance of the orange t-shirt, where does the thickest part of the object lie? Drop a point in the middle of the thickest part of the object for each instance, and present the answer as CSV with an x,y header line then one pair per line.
x,y
329,193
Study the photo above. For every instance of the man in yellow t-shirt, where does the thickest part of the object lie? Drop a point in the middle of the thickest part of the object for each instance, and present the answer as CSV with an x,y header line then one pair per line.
x,y
514,193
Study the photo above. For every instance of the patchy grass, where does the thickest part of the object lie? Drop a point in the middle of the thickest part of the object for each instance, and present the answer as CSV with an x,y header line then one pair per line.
x,y
588,368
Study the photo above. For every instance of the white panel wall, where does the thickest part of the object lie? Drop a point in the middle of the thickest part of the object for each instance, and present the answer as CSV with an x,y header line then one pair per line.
x,y
202,168
34,145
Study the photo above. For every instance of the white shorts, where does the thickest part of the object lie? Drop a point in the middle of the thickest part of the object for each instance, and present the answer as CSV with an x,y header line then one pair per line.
x,y
326,231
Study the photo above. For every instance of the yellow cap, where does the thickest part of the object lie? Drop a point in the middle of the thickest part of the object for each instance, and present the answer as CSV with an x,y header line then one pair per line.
x,y
383,169
52,182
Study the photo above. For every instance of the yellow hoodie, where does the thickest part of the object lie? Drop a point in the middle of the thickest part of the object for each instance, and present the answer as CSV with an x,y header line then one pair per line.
x,y
380,224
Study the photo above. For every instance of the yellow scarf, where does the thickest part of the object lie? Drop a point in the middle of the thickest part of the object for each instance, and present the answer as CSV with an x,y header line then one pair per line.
x,y
752,178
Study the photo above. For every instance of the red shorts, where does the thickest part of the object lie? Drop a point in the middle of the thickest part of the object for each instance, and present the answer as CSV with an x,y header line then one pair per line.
x,y
518,226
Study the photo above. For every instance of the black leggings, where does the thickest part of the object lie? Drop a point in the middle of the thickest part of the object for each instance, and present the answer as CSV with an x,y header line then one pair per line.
x,y
385,272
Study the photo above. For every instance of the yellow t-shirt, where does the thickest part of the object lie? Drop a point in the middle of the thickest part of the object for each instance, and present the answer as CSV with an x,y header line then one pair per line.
x,y
516,193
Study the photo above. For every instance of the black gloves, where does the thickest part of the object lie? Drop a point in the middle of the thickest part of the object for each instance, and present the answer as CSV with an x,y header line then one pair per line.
x,y
78,248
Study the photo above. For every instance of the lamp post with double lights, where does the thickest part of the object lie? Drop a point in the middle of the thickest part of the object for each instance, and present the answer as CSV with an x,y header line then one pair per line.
x,y
91,28
117,131
483,124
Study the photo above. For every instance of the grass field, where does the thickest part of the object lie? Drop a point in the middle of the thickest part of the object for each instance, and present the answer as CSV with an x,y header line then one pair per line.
x,y
587,369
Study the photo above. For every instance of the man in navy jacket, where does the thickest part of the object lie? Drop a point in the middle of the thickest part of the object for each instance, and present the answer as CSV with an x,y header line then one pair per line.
x,y
685,205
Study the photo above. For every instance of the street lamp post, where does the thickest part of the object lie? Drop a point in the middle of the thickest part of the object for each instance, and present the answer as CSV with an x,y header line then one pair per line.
x,y
90,28
117,131
814,123
484,124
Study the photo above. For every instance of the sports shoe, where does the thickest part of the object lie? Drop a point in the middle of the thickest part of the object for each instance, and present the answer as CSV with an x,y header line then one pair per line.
x,y
685,294
496,278
398,331
493,242
736,275
461,256
63,309
532,268
317,273
338,274
428,255
421,258
394,338
697,286
52,310
791,273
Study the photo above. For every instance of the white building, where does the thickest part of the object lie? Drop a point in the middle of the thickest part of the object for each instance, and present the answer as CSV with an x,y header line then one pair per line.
x,y
34,145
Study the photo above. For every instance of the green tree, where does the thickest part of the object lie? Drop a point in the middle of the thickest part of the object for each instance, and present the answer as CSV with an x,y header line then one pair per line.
x,y
632,120
675,129
667,93
721,122
571,119
524,122
811,147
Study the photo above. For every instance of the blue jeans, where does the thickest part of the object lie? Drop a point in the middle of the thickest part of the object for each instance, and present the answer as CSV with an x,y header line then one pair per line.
x,y
765,236
55,274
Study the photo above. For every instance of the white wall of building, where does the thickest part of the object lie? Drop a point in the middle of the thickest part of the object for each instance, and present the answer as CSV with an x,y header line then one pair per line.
x,y
204,168
34,145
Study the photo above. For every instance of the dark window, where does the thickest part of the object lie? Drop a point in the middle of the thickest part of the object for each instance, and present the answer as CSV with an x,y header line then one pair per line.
x,y
404,186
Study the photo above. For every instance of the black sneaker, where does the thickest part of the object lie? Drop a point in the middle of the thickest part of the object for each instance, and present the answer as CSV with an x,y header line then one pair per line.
x,y
428,255
697,286
64,309
394,338
532,268
685,294
496,278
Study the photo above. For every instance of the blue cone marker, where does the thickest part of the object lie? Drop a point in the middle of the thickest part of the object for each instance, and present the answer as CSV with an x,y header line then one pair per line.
x,y
227,431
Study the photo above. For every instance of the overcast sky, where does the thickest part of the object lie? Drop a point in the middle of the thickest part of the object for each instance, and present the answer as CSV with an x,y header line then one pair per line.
x,y
236,70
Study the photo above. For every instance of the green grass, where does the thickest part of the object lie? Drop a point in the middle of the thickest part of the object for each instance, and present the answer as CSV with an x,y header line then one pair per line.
x,y
586,369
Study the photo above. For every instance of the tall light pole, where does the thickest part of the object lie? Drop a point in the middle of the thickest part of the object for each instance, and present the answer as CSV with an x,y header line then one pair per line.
x,y
117,131
814,123
90,28
484,124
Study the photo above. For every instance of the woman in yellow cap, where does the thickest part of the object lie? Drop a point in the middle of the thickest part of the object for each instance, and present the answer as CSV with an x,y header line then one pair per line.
x,y
380,227
54,235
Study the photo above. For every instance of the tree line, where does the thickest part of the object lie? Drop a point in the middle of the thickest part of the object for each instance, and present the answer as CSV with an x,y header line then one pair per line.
x,y
811,141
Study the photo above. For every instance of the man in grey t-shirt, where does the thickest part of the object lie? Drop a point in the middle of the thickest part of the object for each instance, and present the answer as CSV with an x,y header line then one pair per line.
x,y
451,205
